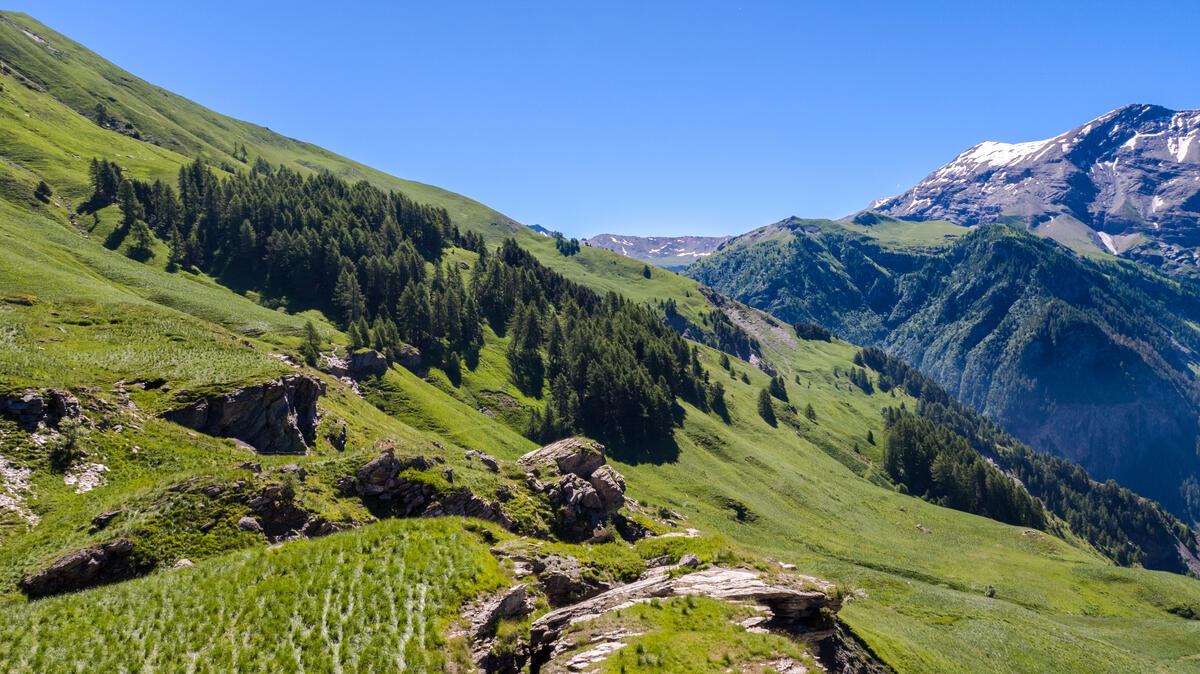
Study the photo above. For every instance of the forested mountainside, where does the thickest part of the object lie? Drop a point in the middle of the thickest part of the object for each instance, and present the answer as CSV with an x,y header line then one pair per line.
x,y
1124,183
196,439
1089,359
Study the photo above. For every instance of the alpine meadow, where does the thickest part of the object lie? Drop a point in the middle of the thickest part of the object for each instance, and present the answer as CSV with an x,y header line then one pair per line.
x,y
267,409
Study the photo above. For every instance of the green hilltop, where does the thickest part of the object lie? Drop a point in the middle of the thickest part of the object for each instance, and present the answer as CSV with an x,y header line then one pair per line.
x,y
134,335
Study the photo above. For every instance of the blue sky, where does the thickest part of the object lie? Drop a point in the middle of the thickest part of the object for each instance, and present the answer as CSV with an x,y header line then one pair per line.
x,y
655,117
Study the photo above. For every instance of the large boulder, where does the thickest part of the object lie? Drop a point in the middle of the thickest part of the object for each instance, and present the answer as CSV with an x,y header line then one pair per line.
x,y
610,487
463,503
589,491
368,363
79,569
579,506
409,357
274,417
578,456
281,518
62,405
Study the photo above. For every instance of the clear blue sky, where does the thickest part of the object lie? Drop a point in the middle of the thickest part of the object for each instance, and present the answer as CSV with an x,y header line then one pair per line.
x,y
654,117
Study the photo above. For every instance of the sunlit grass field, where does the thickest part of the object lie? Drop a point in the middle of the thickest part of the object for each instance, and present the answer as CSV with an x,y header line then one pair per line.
x,y
369,600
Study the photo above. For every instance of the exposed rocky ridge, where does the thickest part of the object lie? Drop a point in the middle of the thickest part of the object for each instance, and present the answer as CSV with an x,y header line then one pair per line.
x,y
797,606
665,251
1127,183
274,417
86,567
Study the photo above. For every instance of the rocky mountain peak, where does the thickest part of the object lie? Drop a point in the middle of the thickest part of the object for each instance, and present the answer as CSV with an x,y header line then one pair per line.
x,y
1126,183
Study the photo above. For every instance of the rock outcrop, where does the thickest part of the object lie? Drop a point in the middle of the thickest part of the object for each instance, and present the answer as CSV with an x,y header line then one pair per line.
x,y
588,492
368,363
33,407
409,357
279,517
564,581
83,568
275,417
787,608
387,478
514,603
570,455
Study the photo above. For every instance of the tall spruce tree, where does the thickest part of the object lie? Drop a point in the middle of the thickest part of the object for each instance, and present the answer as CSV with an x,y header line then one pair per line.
x,y
765,409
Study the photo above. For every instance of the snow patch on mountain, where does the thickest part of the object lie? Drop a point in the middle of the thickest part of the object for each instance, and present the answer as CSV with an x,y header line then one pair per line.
x,y
1133,171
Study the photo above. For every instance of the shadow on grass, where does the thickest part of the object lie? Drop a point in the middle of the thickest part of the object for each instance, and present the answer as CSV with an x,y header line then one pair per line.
x,y
656,452
116,237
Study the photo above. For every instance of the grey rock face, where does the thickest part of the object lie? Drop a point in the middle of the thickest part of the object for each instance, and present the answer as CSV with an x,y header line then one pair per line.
x,y
1135,170
368,364
514,603
33,407
338,436
79,569
610,487
275,417
588,492
795,610
409,357
563,580
570,455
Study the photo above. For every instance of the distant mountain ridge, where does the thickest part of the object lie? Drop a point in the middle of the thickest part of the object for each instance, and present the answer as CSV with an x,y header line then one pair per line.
x,y
671,252
1126,183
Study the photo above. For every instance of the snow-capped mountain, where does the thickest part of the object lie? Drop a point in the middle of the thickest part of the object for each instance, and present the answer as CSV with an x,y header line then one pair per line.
x,y
671,252
1127,182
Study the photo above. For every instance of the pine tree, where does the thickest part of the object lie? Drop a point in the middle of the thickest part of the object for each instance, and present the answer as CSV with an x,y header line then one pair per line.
x,y
310,348
176,256
523,356
364,333
646,270
716,400
42,192
724,362
765,409
348,296
870,437
130,208
453,368
810,413
101,116
143,238
778,389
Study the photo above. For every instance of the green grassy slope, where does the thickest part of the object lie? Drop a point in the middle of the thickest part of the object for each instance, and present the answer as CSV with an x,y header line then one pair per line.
x,y
354,602
804,492
81,79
